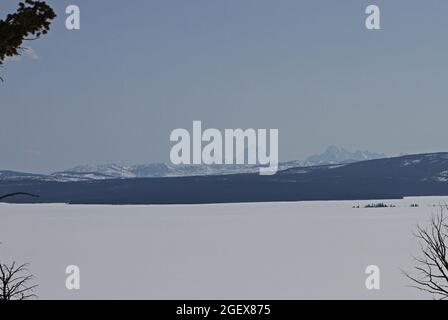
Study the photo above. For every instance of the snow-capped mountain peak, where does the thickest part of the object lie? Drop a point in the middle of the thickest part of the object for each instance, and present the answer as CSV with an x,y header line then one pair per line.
x,y
334,154
107,170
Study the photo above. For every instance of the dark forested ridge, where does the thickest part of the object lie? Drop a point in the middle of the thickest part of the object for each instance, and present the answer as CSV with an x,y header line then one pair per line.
x,y
414,175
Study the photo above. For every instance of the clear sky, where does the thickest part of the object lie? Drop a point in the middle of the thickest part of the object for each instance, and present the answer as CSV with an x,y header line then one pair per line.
x,y
114,90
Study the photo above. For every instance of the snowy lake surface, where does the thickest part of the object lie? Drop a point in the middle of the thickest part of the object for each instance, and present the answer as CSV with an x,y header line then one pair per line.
x,y
296,250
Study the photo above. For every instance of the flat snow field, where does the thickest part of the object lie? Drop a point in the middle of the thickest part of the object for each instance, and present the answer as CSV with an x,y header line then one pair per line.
x,y
297,250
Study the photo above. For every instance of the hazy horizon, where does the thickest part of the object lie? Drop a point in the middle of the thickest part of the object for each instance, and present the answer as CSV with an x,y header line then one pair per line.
x,y
167,162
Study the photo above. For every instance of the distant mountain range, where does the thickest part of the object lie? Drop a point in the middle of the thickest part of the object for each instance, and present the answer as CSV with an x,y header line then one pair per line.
x,y
332,155
386,178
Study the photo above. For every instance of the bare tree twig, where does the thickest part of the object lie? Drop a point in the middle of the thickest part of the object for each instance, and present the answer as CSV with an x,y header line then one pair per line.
x,y
14,282
433,266
18,194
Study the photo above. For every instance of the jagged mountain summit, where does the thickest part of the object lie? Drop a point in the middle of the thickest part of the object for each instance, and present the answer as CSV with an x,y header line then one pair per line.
x,y
335,155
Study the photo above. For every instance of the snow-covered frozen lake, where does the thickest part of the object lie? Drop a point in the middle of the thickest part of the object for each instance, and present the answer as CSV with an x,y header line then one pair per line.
x,y
297,250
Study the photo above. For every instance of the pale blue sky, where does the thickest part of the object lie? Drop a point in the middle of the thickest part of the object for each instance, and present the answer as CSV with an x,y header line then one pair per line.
x,y
114,90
